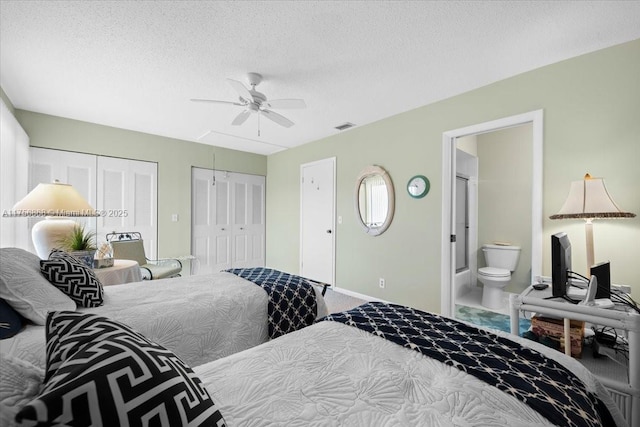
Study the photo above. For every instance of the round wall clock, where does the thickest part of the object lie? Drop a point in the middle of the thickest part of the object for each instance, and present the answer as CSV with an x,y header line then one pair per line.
x,y
418,186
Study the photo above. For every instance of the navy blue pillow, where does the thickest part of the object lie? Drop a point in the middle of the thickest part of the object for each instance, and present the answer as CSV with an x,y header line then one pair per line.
x,y
10,320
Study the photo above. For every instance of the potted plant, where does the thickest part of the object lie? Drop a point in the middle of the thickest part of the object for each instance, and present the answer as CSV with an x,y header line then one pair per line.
x,y
80,243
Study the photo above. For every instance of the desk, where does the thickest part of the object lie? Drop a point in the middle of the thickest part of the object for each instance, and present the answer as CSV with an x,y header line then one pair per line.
x,y
123,271
625,392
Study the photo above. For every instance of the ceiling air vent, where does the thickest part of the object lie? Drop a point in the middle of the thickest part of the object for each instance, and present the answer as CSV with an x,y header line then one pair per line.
x,y
345,126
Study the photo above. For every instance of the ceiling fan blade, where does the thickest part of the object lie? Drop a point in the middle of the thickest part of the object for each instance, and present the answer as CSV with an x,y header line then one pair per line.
x,y
281,120
286,103
241,89
241,118
214,101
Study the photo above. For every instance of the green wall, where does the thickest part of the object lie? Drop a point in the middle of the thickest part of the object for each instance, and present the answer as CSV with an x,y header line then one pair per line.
x,y
174,157
591,124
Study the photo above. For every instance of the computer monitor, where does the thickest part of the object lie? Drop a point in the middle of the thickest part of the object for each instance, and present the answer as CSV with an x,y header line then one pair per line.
x,y
560,263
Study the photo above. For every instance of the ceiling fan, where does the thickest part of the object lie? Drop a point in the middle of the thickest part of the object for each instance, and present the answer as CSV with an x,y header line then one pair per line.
x,y
256,102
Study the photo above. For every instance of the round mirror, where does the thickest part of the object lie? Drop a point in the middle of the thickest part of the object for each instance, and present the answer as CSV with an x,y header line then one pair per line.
x,y
375,200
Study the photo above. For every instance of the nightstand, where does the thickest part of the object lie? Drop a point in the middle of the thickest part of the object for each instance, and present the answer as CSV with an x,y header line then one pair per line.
x,y
622,382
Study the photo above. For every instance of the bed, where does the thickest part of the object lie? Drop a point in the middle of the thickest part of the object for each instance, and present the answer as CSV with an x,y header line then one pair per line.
x,y
347,369
200,318
334,374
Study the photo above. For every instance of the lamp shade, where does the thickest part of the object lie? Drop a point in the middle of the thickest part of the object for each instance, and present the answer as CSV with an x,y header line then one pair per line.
x,y
55,199
56,202
590,199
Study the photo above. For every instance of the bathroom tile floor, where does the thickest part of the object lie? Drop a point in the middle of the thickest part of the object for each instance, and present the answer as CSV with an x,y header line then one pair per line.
x,y
473,298
469,308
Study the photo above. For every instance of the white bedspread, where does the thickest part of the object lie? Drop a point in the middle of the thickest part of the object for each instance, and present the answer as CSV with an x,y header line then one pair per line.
x,y
200,318
331,374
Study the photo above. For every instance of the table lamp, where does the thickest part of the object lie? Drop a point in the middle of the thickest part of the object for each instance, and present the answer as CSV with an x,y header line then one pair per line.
x,y
588,199
56,202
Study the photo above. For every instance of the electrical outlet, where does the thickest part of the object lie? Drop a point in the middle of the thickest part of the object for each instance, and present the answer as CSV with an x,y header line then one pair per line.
x,y
381,282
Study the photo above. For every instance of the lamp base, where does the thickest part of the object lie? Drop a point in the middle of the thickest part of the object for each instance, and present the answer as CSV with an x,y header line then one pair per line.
x,y
588,230
46,234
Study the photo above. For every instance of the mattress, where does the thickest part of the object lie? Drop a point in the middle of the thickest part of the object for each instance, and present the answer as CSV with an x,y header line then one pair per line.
x,y
200,318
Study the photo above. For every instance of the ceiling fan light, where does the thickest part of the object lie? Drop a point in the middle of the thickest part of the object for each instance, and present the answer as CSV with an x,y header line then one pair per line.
x,y
256,102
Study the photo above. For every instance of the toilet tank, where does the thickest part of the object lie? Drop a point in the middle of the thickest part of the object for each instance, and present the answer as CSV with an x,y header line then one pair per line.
x,y
501,256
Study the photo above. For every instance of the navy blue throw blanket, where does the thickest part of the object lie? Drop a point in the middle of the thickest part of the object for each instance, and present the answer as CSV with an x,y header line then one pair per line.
x,y
542,383
292,299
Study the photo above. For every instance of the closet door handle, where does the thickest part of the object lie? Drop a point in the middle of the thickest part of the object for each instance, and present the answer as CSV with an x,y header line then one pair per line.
x,y
328,231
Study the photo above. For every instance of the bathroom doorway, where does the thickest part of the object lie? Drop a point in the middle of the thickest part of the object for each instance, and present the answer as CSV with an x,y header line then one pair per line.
x,y
498,208
493,210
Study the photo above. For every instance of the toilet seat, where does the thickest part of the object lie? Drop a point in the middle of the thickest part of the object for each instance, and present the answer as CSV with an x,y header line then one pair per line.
x,y
494,272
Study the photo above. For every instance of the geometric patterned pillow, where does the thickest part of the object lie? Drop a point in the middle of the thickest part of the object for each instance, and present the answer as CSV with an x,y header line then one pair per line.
x,y
72,277
101,372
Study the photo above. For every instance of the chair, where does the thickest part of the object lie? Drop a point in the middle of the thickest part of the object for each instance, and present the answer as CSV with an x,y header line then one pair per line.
x,y
129,245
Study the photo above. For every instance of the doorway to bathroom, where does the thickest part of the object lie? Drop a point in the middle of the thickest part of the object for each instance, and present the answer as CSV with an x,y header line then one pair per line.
x,y
493,199
492,192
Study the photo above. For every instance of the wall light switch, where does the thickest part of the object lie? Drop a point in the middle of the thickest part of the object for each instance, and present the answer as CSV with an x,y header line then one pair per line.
x,y
174,217
340,219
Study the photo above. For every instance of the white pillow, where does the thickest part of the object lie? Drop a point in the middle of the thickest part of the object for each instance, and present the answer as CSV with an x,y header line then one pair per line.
x,y
21,383
25,288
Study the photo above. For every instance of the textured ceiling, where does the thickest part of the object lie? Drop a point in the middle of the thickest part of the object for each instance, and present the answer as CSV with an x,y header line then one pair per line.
x,y
135,65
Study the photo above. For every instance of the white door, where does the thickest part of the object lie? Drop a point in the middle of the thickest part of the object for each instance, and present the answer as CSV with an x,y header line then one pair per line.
x,y
77,169
317,220
248,209
128,199
14,179
222,232
203,219
228,220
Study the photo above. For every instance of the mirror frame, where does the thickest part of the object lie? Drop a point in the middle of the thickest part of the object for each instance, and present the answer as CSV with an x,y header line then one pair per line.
x,y
391,199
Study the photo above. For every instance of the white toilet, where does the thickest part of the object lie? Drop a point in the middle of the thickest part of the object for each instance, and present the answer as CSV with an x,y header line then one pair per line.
x,y
501,261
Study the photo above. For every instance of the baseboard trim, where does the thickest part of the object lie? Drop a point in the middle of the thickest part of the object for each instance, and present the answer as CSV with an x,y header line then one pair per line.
x,y
357,294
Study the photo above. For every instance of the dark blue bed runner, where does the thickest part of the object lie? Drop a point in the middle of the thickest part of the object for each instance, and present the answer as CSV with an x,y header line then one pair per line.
x,y
292,299
542,383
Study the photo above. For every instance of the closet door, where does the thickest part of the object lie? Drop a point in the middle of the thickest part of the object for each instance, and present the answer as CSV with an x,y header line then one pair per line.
x,y
222,230
248,225
128,199
227,224
208,245
14,179
77,169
